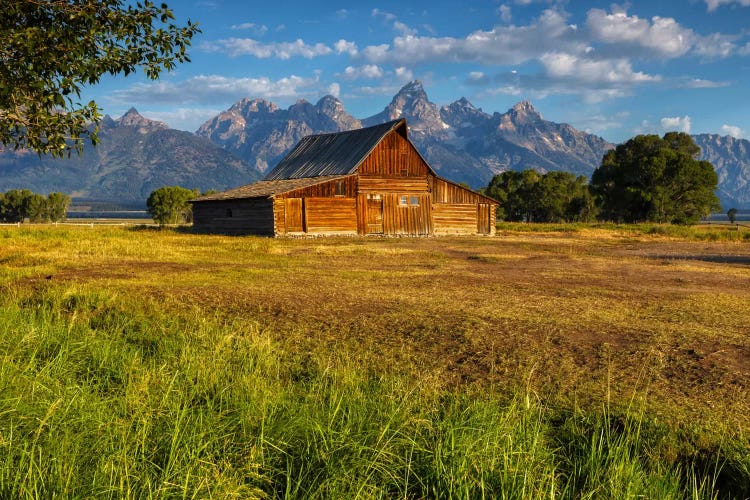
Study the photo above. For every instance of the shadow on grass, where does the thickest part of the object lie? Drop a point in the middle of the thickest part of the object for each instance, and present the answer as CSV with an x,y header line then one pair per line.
x,y
716,259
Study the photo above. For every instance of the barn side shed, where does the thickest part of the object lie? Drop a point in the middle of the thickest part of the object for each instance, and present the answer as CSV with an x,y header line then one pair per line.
x,y
365,181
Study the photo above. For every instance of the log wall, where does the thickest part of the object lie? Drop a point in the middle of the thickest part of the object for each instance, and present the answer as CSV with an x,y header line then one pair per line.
x,y
245,216
455,218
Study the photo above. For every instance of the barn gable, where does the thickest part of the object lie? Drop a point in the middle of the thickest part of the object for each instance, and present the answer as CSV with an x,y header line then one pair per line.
x,y
365,181
339,153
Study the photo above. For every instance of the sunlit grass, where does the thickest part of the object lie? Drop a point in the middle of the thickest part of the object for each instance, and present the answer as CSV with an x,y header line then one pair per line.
x,y
559,364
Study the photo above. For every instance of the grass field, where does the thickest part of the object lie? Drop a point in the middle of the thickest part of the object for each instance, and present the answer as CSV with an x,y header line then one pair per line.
x,y
569,361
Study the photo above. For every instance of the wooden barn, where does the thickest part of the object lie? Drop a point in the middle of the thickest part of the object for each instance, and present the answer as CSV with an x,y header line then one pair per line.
x,y
366,181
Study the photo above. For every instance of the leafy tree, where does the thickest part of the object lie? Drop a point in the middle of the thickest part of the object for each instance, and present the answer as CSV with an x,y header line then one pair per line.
x,y
170,204
36,208
732,215
655,179
552,197
57,206
15,205
51,49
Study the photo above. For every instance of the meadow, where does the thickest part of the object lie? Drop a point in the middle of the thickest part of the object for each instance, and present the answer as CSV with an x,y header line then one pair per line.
x,y
549,361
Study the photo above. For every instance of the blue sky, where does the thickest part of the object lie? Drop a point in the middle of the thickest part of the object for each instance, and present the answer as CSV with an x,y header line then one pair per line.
x,y
615,70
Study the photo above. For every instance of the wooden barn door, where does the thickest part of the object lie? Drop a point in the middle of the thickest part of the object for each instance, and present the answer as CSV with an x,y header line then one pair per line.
x,y
483,218
375,216
293,215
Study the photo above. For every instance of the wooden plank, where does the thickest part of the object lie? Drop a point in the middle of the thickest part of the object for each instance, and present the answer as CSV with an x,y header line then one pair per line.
x,y
293,215
483,218
331,215
374,216
407,219
376,184
455,218
394,156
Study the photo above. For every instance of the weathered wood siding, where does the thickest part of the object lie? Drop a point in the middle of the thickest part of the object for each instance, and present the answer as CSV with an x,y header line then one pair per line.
x,y
330,215
407,219
243,216
394,156
455,218
457,210
447,192
377,184
346,187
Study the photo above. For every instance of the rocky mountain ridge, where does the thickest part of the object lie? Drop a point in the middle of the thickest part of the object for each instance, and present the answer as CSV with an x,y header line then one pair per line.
x,y
135,155
460,141
731,160
262,133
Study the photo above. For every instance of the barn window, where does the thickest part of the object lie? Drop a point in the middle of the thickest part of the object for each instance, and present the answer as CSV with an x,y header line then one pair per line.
x,y
229,212
403,200
340,189
404,171
414,201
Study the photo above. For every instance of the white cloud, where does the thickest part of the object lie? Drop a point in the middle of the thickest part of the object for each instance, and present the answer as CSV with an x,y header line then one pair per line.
x,y
561,65
256,29
213,89
681,124
714,4
368,71
376,53
699,83
732,130
385,15
235,47
345,47
505,13
476,76
715,45
334,89
500,45
403,73
662,35
403,28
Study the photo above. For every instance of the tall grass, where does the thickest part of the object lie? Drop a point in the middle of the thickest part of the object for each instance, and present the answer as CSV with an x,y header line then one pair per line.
x,y
105,396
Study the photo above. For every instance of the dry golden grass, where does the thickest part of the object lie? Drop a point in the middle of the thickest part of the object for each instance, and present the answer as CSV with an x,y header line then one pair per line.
x,y
592,315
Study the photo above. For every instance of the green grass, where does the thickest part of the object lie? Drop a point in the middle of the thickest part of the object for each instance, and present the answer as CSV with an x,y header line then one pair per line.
x,y
107,397
705,232
157,364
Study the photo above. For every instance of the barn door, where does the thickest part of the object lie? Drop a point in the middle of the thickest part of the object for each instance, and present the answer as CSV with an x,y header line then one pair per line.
x,y
293,215
483,218
375,216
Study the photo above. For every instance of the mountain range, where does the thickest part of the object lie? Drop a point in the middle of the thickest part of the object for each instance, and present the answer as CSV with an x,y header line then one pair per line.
x,y
237,146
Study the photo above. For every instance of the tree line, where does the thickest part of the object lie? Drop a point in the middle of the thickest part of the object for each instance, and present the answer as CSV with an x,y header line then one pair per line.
x,y
647,179
18,205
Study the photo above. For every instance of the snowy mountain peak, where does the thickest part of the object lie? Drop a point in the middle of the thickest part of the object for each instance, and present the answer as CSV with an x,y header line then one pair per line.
x,y
411,103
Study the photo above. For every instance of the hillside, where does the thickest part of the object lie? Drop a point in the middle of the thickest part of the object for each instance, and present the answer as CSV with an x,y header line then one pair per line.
x,y
135,156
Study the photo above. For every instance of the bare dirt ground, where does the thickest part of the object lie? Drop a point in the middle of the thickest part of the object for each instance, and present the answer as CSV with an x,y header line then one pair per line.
x,y
592,317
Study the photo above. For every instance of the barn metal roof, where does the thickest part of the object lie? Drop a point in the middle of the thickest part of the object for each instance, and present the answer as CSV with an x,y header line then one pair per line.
x,y
339,153
267,188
